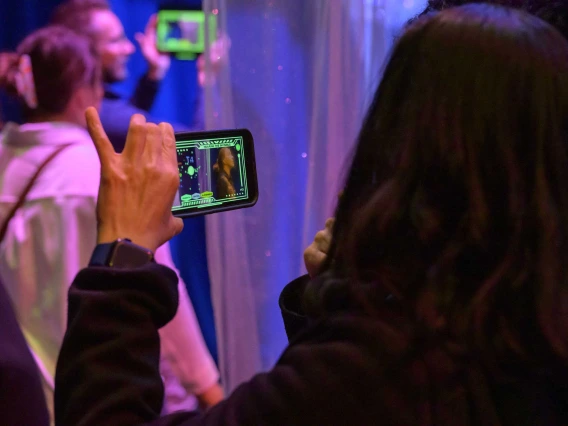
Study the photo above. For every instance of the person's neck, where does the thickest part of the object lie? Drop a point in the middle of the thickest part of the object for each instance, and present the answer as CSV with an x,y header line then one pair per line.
x,y
55,118
227,170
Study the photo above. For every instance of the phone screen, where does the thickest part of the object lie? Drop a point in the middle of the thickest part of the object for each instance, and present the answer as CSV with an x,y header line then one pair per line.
x,y
183,31
217,172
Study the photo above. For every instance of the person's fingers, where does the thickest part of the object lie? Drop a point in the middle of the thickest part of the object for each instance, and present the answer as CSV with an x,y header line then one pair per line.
x,y
153,145
98,135
330,223
140,38
201,63
224,41
151,25
323,241
169,145
313,260
136,137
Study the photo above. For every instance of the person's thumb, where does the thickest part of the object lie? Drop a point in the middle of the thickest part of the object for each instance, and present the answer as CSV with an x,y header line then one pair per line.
x,y
176,226
140,38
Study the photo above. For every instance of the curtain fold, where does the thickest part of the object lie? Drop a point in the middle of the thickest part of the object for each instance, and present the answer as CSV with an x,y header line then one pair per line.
x,y
300,75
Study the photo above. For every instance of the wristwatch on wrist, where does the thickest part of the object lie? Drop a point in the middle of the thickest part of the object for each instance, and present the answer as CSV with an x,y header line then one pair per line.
x,y
121,254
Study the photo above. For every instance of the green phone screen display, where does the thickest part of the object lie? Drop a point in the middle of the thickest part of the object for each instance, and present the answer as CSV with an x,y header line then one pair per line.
x,y
212,172
183,31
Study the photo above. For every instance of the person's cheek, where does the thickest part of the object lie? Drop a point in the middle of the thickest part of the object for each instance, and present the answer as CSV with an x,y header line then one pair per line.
x,y
128,48
107,59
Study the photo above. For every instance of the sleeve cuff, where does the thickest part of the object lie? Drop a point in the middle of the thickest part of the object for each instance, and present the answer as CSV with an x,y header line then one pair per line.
x,y
153,285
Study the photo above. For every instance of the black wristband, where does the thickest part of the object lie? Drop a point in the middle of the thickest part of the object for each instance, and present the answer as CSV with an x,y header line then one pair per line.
x,y
121,254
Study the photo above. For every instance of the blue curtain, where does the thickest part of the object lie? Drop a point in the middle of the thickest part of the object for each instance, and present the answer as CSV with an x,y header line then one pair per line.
x,y
176,102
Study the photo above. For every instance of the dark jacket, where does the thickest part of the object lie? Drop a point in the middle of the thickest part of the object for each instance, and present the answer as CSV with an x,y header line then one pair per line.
x,y
22,400
116,112
348,369
290,302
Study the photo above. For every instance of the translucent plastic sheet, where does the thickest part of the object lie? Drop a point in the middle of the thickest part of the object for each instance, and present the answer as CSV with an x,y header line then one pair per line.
x,y
300,75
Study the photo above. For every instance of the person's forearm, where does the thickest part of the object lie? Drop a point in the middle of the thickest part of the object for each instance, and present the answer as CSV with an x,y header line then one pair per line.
x,y
145,93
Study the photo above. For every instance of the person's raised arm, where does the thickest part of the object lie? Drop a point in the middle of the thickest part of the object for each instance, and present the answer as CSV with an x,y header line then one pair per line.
x,y
158,66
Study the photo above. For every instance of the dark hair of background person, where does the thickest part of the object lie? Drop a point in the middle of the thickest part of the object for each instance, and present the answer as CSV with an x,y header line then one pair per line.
x,y
555,12
438,5
456,200
62,61
76,14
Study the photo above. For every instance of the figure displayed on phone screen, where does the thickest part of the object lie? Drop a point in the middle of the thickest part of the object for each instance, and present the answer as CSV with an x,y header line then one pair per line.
x,y
217,172
223,167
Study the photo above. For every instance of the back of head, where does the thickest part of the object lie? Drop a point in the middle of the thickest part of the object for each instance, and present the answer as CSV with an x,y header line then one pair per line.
x,y
439,5
555,12
62,62
433,6
456,199
77,14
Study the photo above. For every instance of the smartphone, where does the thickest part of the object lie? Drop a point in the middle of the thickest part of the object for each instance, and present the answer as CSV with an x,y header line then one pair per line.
x,y
182,31
217,172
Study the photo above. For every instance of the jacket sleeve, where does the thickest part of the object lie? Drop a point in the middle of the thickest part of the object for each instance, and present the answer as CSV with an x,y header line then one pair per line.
x,y
290,302
145,94
108,367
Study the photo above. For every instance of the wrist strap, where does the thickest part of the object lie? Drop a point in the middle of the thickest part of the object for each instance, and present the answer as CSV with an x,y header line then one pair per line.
x,y
101,254
27,189
105,254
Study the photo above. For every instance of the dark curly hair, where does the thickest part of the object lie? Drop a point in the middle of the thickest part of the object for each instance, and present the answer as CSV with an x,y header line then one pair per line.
x,y
438,5
62,61
456,199
555,12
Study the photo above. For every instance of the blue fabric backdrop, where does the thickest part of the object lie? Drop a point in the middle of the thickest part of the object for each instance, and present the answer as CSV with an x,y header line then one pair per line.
x,y
176,102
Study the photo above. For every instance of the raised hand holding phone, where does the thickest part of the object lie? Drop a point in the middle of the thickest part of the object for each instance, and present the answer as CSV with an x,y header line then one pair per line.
x,y
137,187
